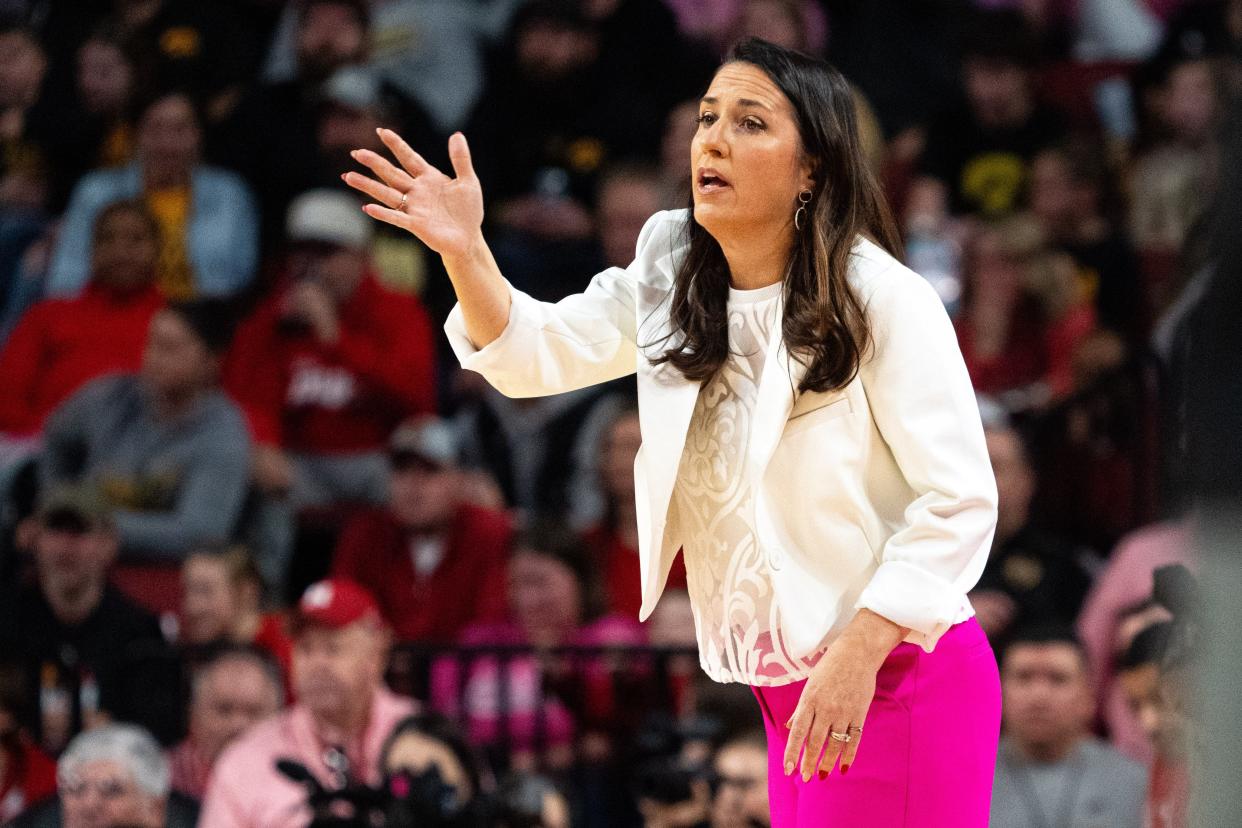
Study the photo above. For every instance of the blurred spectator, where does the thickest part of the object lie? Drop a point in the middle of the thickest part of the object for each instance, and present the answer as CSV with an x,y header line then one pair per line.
x,y
1050,770
553,597
272,136
91,653
113,776
62,343
337,728
435,563
548,121
1126,582
1023,315
1071,196
1171,181
325,369
90,124
428,746
23,68
229,693
542,451
629,194
977,156
208,222
680,125
1139,673
24,169
614,540
222,600
741,776
1032,576
164,446
27,775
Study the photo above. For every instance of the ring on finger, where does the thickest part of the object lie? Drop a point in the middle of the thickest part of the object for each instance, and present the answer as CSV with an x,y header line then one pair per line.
x,y
840,737
404,196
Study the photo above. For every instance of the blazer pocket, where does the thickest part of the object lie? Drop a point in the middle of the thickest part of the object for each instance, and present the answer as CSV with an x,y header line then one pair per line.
x,y
819,412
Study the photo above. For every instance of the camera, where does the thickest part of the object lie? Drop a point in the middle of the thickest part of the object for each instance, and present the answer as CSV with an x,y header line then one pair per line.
x,y
404,800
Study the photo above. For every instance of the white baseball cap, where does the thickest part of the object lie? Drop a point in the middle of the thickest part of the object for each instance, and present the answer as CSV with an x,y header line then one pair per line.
x,y
332,216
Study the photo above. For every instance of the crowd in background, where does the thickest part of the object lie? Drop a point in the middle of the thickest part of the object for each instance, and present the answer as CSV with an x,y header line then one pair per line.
x,y
252,510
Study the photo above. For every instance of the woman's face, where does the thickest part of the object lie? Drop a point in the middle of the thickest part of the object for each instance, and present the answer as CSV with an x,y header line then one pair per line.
x,y
209,602
105,76
746,159
168,137
544,596
125,251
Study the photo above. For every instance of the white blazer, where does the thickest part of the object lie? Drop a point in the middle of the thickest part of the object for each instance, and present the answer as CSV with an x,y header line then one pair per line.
x,y
879,495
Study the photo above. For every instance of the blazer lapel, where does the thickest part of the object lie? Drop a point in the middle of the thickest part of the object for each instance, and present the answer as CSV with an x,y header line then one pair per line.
x,y
777,388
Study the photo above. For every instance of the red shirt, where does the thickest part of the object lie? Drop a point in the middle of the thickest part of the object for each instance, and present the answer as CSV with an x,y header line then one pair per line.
x,y
59,344
467,586
304,395
619,563
29,778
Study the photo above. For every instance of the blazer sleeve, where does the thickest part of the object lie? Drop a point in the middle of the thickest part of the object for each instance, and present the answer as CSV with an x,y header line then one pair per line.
x,y
584,339
925,408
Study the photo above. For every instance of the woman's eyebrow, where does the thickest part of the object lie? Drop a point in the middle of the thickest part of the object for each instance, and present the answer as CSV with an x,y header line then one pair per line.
x,y
746,102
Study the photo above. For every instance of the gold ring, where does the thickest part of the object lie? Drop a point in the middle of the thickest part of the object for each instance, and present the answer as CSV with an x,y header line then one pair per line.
x,y
840,737
404,196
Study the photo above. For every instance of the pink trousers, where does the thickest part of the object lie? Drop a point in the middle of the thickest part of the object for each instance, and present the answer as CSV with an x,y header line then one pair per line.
x,y
928,749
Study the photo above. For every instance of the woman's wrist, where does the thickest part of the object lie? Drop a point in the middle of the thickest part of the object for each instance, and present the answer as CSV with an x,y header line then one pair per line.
x,y
872,636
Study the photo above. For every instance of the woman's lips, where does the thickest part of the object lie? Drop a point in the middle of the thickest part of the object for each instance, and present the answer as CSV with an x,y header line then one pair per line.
x,y
709,181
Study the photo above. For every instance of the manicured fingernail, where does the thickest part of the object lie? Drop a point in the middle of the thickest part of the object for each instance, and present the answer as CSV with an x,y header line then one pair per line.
x,y
823,775
789,768
845,769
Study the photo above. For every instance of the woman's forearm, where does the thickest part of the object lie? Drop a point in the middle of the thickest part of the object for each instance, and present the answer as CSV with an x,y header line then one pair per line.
x,y
481,291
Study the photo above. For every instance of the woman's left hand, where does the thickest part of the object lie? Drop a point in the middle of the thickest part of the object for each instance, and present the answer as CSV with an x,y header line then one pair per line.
x,y
838,694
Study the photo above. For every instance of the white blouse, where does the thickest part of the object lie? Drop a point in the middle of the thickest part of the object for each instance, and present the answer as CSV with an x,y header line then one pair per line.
x,y
736,614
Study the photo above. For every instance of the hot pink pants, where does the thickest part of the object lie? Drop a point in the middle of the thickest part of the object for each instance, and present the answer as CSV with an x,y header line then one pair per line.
x,y
928,749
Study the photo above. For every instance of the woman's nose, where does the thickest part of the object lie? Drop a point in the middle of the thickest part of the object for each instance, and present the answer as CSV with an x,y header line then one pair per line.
x,y
712,140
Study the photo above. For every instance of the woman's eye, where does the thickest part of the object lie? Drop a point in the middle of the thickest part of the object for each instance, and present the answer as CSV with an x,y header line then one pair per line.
x,y
705,119
752,124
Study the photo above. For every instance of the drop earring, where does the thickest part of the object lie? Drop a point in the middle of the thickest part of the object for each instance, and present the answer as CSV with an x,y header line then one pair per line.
x,y
804,198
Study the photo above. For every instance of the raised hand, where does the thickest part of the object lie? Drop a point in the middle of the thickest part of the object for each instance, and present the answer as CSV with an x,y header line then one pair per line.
x,y
445,213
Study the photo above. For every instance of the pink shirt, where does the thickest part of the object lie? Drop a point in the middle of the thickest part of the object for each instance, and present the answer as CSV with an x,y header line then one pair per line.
x,y
246,790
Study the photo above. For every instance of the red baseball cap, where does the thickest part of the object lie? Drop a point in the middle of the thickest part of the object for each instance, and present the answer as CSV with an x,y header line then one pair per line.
x,y
336,603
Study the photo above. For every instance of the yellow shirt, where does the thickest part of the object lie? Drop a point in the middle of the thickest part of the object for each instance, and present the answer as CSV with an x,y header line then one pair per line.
x,y
171,208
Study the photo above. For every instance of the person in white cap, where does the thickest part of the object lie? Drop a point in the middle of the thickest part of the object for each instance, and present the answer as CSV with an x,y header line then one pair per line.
x,y
327,368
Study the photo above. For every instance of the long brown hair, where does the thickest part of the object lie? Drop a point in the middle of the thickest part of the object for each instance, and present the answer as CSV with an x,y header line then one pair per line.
x,y
824,321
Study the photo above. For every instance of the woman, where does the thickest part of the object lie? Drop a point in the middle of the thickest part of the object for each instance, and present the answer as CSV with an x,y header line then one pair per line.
x,y
62,343
809,434
553,602
222,601
209,236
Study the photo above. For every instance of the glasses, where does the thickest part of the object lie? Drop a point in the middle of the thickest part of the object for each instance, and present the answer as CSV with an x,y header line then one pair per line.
x,y
106,788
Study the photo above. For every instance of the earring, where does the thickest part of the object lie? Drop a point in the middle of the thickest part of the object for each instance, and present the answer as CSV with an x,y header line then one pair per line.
x,y
804,198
